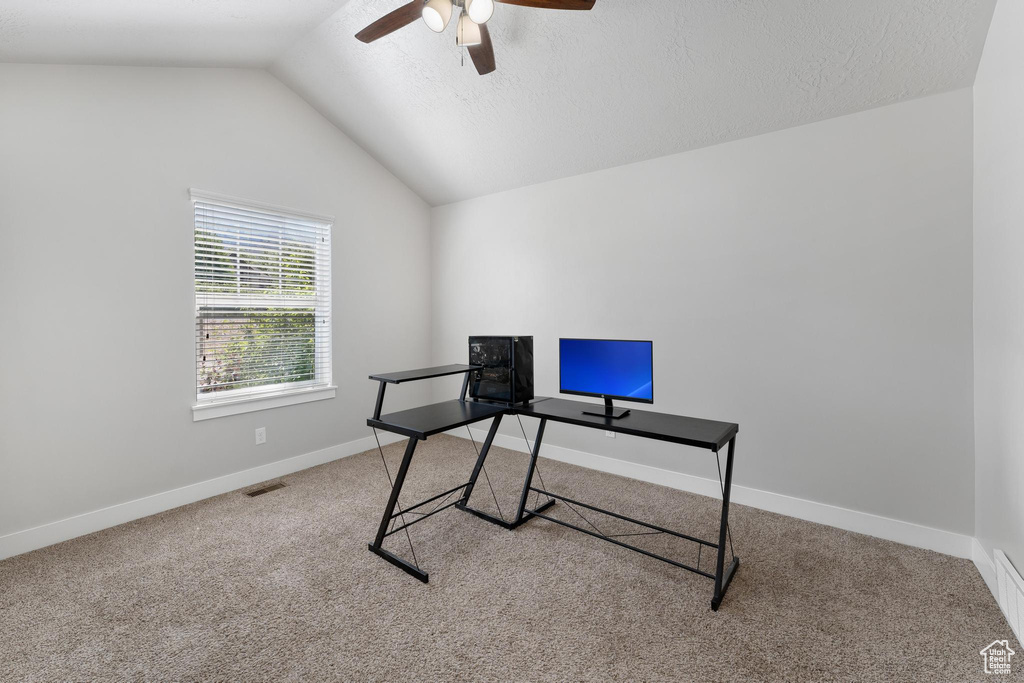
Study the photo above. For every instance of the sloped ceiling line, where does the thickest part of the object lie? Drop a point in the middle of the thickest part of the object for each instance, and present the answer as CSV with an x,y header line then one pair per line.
x,y
574,92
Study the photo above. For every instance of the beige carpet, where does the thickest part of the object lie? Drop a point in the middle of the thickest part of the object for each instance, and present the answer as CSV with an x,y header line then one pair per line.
x,y
282,587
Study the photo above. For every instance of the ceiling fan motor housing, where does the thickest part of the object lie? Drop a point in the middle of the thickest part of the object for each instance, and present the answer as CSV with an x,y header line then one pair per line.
x,y
471,25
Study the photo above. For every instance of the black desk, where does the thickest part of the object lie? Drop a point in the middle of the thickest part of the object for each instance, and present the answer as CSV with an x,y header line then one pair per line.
x,y
420,423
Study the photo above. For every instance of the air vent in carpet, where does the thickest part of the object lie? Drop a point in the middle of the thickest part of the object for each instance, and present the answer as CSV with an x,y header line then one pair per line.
x,y
265,489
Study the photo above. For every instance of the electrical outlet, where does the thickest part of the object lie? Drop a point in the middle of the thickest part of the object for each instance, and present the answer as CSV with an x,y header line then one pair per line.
x,y
610,435
261,435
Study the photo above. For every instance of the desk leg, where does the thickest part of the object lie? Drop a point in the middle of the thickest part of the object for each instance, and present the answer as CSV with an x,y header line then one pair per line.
x,y
491,433
463,504
724,576
396,489
529,479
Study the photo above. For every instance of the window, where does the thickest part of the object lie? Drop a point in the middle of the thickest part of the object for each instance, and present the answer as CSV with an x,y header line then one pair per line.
x,y
263,306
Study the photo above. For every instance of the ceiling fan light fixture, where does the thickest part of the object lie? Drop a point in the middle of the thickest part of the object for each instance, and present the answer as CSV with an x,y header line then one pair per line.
x,y
480,10
468,32
437,14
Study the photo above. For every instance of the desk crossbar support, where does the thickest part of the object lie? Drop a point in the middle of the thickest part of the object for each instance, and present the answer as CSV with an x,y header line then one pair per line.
x,y
429,514
723,574
429,500
624,518
674,563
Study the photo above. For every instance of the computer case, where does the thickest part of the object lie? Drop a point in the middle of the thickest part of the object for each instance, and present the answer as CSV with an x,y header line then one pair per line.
x,y
507,373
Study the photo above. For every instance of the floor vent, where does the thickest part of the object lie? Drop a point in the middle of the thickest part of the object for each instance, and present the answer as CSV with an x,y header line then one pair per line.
x,y
1011,594
265,489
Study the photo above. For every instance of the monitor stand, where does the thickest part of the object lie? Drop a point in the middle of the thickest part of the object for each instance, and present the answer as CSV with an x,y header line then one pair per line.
x,y
609,411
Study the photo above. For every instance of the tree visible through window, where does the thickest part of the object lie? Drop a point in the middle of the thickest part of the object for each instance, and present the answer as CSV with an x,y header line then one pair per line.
x,y
262,286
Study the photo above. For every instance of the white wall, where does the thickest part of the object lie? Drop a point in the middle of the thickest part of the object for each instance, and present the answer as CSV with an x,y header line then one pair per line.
x,y
97,352
999,285
813,285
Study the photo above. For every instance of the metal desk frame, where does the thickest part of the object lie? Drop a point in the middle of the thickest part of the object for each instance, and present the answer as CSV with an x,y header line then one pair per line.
x,y
420,423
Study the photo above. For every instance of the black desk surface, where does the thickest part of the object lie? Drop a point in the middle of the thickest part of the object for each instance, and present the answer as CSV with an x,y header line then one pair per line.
x,y
435,418
425,373
432,419
689,431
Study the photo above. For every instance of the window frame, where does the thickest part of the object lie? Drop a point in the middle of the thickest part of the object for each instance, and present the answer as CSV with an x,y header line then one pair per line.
x,y
262,397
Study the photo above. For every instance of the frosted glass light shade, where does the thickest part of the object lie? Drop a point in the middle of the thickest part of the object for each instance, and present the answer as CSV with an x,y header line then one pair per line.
x,y
437,14
468,32
480,10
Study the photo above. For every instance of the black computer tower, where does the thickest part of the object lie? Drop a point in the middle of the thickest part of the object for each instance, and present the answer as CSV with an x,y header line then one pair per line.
x,y
507,373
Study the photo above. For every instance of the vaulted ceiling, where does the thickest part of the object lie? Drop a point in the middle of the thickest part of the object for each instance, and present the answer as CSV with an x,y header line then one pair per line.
x,y
156,32
574,92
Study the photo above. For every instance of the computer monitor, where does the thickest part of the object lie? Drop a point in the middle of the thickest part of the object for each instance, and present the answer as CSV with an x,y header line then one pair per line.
x,y
608,369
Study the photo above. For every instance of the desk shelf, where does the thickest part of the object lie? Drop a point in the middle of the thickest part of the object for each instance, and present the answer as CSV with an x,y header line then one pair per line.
x,y
415,375
419,423
423,373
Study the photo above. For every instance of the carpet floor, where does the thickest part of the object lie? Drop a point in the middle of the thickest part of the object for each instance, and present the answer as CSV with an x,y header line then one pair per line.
x,y
282,587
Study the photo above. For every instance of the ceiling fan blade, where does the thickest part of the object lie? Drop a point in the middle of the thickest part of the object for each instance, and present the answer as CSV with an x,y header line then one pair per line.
x,y
551,4
391,22
483,54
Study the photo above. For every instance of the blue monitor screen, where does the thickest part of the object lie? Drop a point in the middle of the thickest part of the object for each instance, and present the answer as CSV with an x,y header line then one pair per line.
x,y
604,367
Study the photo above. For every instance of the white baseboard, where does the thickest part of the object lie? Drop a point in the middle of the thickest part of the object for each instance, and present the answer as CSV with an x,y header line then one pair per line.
x,y
986,567
1005,584
1009,592
908,533
950,543
62,530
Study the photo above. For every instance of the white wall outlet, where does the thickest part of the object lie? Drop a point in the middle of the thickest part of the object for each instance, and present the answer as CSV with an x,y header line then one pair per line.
x,y
261,435
610,435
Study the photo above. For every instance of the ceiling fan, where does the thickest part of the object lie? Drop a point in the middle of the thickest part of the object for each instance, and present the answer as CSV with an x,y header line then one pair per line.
x,y
471,24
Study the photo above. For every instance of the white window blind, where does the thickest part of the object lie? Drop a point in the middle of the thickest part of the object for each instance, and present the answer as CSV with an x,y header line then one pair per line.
x,y
263,300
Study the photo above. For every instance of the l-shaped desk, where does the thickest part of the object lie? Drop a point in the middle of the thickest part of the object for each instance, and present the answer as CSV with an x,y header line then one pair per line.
x,y
420,423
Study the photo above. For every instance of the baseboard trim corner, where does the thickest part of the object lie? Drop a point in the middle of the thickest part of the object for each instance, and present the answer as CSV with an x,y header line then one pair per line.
x,y
908,533
986,567
24,541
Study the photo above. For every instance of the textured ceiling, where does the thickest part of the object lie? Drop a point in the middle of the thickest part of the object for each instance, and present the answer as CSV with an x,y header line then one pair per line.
x,y
156,32
629,80
574,91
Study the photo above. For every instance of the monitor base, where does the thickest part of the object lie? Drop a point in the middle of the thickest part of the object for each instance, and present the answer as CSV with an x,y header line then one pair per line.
x,y
609,411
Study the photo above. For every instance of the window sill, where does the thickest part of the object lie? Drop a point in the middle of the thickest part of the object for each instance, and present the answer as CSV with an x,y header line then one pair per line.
x,y
249,404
